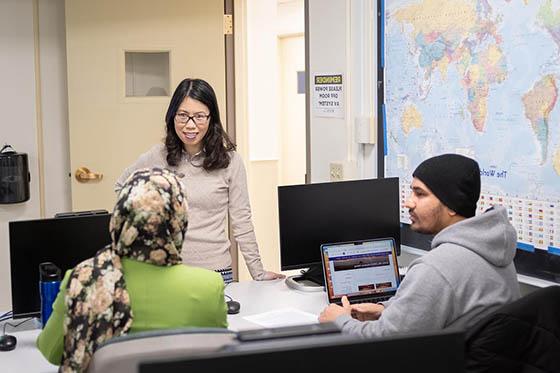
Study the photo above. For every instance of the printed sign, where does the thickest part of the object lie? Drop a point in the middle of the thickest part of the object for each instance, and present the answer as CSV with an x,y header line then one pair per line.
x,y
328,95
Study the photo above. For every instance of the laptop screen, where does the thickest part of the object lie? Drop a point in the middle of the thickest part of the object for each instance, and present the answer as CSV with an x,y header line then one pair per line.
x,y
360,269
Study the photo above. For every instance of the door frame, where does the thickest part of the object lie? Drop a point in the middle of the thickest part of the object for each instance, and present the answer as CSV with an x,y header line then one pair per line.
x,y
229,41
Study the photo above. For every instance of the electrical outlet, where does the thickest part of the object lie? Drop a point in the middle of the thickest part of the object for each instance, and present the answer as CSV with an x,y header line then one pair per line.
x,y
336,172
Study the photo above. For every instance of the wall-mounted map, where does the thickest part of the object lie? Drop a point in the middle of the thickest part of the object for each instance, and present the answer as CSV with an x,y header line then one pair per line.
x,y
480,78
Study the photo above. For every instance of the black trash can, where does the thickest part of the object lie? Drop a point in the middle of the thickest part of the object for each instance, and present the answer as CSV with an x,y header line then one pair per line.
x,y
14,176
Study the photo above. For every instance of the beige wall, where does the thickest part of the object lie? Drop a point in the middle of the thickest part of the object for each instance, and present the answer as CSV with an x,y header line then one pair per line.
x,y
262,181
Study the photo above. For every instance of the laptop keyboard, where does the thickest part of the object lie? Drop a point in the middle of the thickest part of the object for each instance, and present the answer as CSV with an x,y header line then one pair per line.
x,y
373,300
368,300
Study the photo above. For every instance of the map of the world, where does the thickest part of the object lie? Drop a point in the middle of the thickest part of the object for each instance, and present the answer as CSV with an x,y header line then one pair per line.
x,y
479,78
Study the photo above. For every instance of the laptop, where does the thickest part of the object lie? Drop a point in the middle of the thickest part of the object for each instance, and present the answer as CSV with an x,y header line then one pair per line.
x,y
364,271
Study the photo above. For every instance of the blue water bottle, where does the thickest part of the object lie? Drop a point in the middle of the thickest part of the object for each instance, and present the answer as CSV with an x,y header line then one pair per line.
x,y
49,284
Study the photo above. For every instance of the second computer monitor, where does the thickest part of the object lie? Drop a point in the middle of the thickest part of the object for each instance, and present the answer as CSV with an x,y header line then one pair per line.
x,y
64,241
314,214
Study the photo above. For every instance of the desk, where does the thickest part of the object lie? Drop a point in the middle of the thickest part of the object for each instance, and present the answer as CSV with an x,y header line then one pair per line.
x,y
262,296
26,357
255,297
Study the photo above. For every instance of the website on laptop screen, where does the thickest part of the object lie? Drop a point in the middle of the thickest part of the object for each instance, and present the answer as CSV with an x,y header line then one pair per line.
x,y
358,269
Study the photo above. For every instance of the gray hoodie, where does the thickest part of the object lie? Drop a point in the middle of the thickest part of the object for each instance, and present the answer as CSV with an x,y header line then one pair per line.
x,y
468,274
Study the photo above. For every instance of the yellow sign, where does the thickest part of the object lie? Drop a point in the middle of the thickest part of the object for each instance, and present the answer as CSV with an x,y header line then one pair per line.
x,y
328,79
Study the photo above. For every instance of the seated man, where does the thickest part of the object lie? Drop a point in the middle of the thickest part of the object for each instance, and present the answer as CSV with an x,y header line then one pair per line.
x,y
468,274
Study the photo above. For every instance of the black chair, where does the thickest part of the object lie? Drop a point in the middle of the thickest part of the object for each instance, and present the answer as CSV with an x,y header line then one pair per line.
x,y
434,352
523,336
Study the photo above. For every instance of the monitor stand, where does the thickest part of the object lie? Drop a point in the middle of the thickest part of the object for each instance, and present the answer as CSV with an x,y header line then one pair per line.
x,y
310,280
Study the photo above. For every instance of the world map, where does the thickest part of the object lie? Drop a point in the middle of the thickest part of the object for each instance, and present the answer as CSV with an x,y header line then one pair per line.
x,y
479,78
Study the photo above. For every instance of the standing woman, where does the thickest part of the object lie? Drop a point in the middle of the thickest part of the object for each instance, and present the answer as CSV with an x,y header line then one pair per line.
x,y
198,149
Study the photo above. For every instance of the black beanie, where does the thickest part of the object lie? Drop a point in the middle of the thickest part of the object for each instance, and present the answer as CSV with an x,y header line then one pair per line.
x,y
454,180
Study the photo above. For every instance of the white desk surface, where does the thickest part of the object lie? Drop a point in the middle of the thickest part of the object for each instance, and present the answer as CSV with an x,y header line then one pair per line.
x,y
26,357
255,297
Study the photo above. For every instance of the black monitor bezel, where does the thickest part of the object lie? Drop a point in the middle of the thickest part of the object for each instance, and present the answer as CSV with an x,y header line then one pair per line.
x,y
14,226
316,264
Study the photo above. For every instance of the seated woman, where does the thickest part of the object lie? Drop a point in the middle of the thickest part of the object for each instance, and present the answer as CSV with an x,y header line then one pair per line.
x,y
137,283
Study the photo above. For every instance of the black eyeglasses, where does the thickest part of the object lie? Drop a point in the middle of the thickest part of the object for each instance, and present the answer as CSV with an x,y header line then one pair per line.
x,y
198,118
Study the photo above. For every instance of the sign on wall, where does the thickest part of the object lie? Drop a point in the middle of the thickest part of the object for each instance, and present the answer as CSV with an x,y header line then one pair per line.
x,y
328,95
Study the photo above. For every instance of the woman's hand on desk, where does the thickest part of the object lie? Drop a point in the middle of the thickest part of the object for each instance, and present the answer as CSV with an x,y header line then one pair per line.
x,y
330,313
268,275
366,311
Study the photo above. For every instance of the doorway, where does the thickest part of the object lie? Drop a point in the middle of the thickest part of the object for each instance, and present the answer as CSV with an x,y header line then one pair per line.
x,y
270,110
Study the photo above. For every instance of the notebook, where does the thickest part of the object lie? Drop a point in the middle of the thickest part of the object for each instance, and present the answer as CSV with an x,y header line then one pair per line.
x,y
364,271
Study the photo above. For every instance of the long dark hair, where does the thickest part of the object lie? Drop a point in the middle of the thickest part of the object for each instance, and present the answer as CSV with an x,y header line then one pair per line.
x,y
216,143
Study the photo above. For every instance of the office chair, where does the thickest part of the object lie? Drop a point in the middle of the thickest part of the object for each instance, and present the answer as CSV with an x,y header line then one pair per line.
x,y
521,337
123,354
434,352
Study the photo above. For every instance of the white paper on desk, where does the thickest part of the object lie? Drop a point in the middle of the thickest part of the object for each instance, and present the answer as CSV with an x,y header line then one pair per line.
x,y
282,317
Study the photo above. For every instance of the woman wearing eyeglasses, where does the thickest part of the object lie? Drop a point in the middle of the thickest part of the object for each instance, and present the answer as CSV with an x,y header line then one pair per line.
x,y
197,148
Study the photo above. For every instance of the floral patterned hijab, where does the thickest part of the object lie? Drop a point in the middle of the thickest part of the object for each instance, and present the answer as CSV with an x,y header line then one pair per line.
x,y
148,225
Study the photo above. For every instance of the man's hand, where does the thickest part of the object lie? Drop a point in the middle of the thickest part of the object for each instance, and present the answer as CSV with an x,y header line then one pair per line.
x,y
268,275
330,313
366,311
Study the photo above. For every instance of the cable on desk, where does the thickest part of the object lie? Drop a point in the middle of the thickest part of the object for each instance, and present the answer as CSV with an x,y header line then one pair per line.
x,y
225,287
6,316
233,306
14,326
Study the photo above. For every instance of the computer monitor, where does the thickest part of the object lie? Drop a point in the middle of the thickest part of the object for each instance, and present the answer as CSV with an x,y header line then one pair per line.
x,y
435,352
314,214
65,241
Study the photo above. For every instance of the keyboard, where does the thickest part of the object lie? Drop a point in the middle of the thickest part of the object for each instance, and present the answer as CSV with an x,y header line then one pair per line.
x,y
287,331
368,300
374,300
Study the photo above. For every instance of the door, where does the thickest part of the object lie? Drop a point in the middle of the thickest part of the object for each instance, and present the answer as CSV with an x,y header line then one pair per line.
x,y
111,46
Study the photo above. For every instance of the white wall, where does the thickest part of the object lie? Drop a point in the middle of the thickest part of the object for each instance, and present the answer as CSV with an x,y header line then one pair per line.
x,y
18,117
54,106
292,113
266,20
291,17
363,62
341,39
262,87
291,59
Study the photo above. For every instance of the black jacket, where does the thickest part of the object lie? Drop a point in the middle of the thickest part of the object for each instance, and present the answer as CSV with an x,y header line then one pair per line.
x,y
523,336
